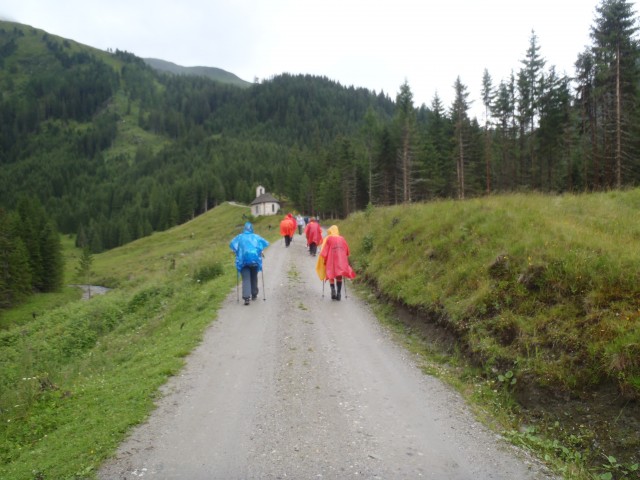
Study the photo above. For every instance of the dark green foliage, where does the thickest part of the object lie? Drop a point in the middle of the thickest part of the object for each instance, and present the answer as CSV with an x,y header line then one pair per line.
x,y
15,272
222,140
84,266
30,253
43,245
208,272
115,150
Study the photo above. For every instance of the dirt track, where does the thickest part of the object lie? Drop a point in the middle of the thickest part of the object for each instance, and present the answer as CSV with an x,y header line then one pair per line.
x,y
300,386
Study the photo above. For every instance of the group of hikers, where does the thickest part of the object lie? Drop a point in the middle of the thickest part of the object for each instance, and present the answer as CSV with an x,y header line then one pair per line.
x,y
332,264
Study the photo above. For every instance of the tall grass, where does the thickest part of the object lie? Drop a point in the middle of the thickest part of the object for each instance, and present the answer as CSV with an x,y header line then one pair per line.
x,y
74,379
554,275
544,288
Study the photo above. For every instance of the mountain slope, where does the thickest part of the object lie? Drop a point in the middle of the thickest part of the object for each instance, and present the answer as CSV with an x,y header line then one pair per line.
x,y
213,73
114,150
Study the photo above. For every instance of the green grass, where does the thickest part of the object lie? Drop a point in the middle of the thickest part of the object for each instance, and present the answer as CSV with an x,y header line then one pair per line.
x,y
537,297
77,377
37,305
532,272
543,287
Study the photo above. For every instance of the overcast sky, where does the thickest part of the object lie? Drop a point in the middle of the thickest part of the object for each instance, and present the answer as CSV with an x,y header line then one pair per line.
x,y
365,43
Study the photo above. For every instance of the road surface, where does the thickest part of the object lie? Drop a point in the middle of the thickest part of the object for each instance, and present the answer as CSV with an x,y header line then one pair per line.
x,y
299,386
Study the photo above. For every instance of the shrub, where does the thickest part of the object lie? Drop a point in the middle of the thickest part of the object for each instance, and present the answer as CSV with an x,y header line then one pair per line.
x,y
208,272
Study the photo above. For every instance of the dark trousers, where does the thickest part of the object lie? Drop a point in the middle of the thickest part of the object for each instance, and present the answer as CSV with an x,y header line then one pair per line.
x,y
287,240
249,281
313,248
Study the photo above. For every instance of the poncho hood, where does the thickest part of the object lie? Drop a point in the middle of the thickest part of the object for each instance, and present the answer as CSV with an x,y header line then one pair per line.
x,y
333,230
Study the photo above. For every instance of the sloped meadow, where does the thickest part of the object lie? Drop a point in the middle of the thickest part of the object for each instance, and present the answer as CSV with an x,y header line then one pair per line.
x,y
76,375
535,298
540,297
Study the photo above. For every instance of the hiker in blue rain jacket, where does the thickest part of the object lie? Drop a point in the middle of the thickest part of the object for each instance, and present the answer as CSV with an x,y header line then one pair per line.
x,y
248,247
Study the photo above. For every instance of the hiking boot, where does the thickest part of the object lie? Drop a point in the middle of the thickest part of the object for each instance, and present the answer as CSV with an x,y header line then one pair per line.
x,y
254,297
333,291
247,301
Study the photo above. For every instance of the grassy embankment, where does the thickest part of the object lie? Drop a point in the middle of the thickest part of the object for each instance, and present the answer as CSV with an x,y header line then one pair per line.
x,y
537,290
542,294
76,377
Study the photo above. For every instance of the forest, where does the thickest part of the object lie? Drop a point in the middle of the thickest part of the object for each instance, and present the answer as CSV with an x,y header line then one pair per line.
x,y
111,150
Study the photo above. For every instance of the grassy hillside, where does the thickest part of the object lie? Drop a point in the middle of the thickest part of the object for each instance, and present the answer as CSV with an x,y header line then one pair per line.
x,y
541,293
78,376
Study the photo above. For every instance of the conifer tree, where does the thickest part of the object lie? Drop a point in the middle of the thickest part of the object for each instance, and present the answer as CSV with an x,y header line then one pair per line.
x,y
588,119
406,122
487,102
15,273
461,125
385,168
348,177
530,87
83,269
369,130
52,261
504,112
616,55
438,156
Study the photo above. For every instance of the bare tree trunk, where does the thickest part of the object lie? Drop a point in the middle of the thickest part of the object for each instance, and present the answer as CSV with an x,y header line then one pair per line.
x,y
406,171
370,180
618,122
460,166
487,157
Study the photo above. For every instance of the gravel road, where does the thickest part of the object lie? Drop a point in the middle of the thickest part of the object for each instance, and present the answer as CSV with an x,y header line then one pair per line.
x,y
301,387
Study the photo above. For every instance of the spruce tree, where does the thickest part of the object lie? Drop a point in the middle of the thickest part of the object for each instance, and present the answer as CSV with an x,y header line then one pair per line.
x,y
461,122
406,123
616,54
487,101
83,269
52,261
15,270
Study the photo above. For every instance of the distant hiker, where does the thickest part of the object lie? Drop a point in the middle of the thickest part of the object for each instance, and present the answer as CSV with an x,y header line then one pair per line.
x,y
313,231
248,247
300,222
333,262
287,228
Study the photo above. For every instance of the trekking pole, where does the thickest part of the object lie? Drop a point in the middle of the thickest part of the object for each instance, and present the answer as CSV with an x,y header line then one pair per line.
x,y
345,289
264,295
322,288
237,285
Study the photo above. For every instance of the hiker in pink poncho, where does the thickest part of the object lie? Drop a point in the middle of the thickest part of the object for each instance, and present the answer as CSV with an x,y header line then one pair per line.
x,y
333,263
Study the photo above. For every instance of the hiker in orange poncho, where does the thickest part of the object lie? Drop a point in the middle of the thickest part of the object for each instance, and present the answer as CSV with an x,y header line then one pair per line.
x,y
333,262
287,228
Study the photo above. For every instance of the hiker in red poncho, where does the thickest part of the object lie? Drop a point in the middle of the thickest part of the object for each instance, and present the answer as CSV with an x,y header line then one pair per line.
x,y
287,228
313,231
333,262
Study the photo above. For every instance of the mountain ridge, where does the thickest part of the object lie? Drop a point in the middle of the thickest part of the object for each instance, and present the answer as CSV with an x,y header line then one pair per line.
x,y
160,65
166,146
214,73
